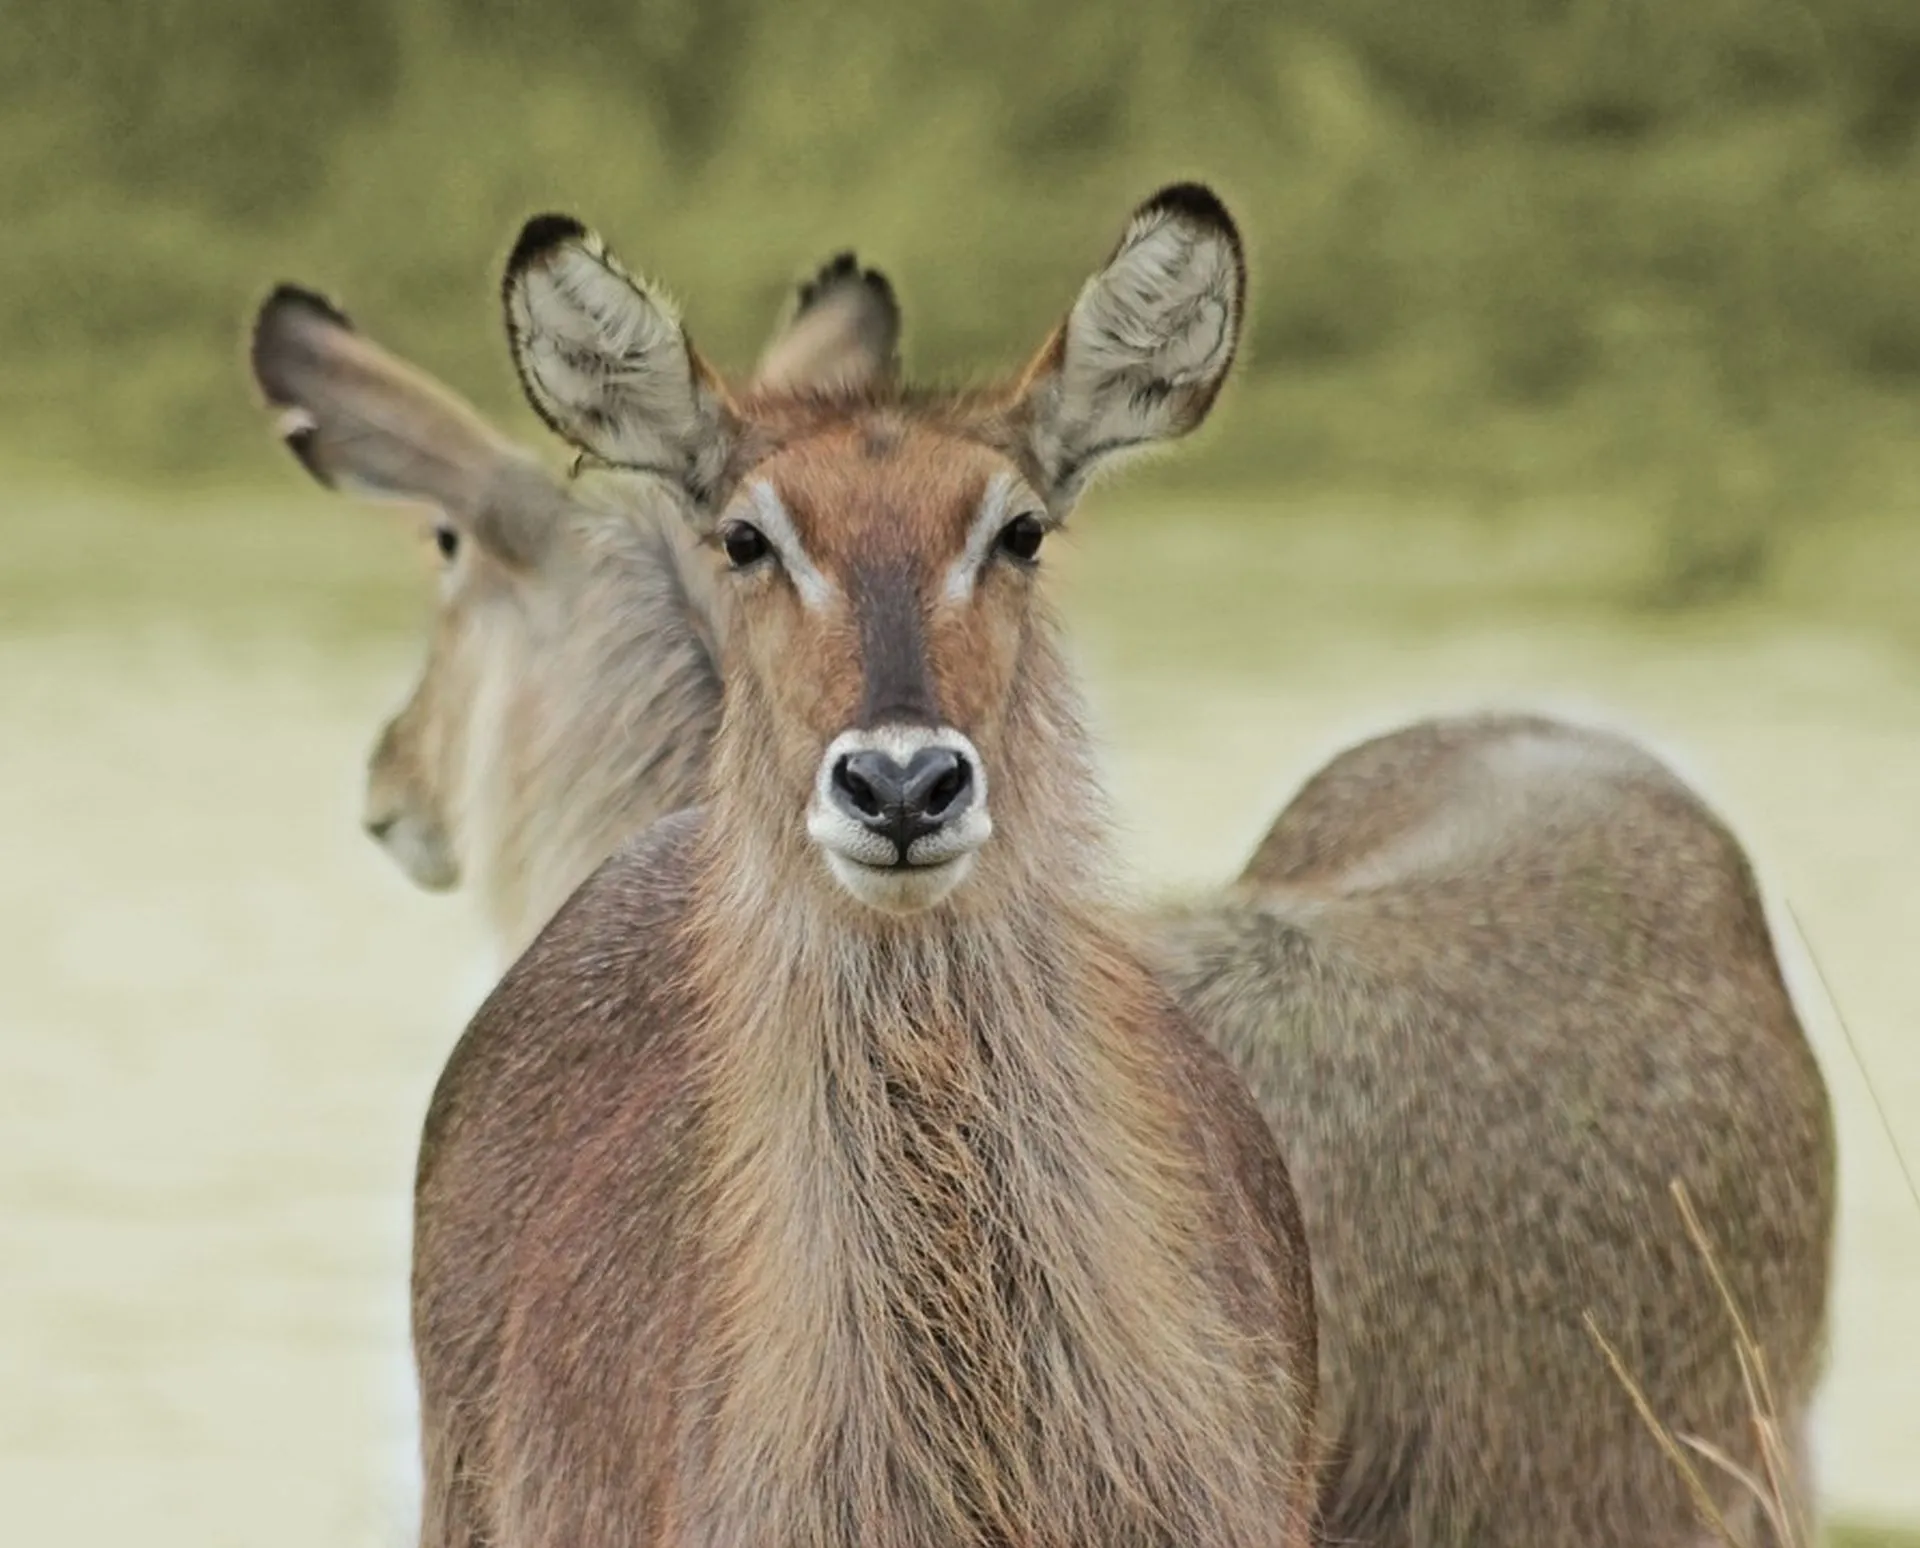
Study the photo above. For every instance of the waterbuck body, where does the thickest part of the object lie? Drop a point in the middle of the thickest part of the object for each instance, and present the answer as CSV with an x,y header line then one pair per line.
x,y
833,1169
1501,982
1495,983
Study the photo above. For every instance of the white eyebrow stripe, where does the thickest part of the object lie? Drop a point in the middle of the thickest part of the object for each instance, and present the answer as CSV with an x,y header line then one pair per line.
x,y
986,527
770,515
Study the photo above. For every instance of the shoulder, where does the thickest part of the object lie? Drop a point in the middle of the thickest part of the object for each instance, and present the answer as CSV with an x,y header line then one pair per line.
x,y
619,930
1239,1154
601,983
1235,1136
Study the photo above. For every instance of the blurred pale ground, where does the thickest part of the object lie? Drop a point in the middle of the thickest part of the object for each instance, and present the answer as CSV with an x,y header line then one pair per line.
x,y
1584,374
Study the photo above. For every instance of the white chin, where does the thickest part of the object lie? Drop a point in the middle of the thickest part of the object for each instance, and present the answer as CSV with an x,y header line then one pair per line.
x,y
899,889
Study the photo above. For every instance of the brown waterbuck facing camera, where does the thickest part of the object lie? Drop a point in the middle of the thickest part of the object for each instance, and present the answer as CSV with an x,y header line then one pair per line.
x,y
832,1170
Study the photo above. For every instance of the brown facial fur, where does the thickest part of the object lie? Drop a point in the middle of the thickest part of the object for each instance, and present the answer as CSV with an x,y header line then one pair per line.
x,y
883,509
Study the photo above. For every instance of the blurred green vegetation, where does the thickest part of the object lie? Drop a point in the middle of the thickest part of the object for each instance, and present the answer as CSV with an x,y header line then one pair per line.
x,y
1665,255
1871,1537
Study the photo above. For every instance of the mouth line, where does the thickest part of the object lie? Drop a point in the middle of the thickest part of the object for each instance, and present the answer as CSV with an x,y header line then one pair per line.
x,y
901,866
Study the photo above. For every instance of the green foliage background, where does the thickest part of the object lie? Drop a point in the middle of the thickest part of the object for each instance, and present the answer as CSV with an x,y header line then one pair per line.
x,y
1665,251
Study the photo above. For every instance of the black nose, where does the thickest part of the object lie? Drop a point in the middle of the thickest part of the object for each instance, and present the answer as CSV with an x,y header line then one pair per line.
x,y
903,802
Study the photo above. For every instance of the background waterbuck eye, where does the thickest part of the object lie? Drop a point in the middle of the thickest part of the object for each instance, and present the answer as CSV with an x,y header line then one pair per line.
x,y
1020,539
447,540
745,545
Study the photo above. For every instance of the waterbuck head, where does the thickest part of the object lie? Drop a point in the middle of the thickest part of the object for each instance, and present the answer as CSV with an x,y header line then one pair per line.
x,y
362,421
568,696
895,696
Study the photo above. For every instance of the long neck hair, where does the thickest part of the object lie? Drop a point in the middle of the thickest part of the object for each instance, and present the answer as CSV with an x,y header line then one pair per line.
x,y
599,716
961,1278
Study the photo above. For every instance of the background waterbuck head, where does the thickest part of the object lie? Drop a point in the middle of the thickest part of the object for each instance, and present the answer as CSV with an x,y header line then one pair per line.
x,y
832,1169
568,694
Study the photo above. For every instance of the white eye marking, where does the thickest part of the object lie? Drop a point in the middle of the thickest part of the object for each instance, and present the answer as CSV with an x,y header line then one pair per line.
x,y
992,516
776,526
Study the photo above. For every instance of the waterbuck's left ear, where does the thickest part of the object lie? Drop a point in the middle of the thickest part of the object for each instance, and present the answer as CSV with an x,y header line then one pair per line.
x,y
1144,351
605,362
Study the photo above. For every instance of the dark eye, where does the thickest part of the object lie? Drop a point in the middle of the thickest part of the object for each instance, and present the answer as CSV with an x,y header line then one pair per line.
x,y
447,541
745,545
1020,539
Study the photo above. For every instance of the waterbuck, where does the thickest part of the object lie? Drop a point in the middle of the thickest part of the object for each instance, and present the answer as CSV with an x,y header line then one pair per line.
x,y
571,694
832,1169
1499,982
1494,982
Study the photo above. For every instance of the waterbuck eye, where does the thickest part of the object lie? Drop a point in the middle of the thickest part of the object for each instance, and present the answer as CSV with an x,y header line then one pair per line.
x,y
745,545
1020,539
447,541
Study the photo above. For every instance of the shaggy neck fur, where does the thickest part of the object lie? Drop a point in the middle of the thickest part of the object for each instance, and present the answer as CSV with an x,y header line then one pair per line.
x,y
964,1291
604,723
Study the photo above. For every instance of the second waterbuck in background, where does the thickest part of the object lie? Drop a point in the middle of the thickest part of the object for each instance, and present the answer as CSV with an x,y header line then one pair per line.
x,y
571,695
832,1169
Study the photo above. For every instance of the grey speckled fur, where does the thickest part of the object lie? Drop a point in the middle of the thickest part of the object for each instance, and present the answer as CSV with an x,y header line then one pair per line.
x,y
1496,983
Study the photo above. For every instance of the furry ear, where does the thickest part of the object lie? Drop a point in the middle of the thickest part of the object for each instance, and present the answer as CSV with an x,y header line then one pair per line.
x,y
365,422
605,362
1148,344
845,332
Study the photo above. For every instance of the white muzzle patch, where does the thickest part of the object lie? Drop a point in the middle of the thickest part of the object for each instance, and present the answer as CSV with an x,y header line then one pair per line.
x,y
902,838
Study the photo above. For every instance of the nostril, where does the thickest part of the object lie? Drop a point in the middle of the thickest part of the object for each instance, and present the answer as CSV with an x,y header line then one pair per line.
x,y
379,827
858,791
947,789
938,786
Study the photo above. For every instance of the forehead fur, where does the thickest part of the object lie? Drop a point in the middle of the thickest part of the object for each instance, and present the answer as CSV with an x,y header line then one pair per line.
x,y
884,413
882,484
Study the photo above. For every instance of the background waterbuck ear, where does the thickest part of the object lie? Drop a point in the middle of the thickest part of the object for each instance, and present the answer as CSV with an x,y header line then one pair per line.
x,y
845,332
362,421
605,361
1144,351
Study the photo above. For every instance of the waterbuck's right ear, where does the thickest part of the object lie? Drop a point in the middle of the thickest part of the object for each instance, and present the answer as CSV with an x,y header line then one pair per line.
x,y
365,422
1147,346
605,361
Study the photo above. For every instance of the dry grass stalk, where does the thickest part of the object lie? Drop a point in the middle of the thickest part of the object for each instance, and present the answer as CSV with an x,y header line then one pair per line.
x,y
1772,1490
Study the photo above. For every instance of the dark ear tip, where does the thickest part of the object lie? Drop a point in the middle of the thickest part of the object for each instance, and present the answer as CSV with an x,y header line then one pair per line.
x,y
541,235
882,288
286,297
284,307
841,270
830,276
1194,202
286,304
